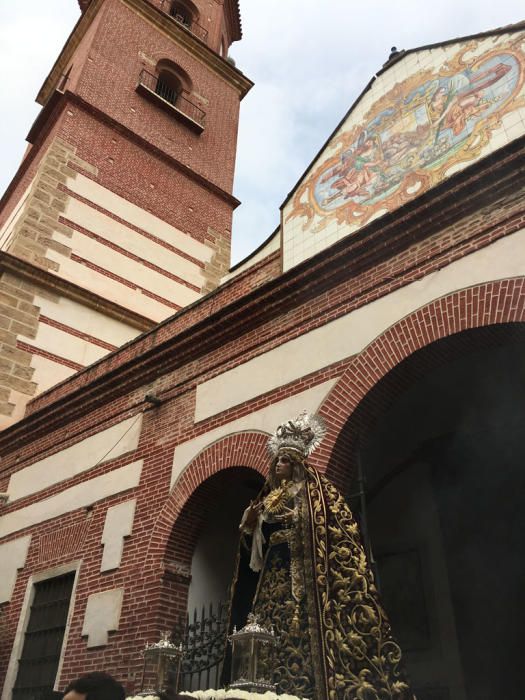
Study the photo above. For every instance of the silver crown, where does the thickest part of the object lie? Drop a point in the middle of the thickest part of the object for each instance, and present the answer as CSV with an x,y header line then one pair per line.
x,y
301,435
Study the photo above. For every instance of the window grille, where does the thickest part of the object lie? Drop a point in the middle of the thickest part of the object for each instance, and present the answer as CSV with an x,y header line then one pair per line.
x,y
183,15
38,664
166,89
180,15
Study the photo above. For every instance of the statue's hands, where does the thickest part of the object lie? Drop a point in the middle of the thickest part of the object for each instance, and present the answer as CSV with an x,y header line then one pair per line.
x,y
252,514
287,517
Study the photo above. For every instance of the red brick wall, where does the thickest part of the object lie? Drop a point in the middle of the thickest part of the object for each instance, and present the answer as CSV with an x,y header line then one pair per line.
x,y
105,73
128,169
249,319
149,592
124,44
212,17
302,300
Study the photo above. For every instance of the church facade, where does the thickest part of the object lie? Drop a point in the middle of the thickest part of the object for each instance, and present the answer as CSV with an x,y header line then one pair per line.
x,y
391,301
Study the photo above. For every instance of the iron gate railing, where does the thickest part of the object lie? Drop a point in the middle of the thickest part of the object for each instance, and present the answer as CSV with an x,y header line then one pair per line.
x,y
153,85
203,637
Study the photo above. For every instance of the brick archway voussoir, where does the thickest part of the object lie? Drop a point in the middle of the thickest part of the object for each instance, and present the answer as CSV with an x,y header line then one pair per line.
x,y
500,301
246,449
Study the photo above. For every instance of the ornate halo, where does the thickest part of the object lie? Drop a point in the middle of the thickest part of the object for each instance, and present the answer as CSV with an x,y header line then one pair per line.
x,y
300,436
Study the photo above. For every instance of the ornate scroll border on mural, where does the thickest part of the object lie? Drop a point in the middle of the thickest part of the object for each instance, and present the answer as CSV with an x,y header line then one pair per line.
x,y
414,182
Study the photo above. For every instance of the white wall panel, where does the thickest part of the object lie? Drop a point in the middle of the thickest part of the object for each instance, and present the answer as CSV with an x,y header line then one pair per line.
x,y
350,334
111,443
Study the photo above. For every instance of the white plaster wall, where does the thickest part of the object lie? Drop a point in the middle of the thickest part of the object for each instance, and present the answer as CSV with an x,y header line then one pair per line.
x,y
117,526
87,320
110,289
128,269
273,245
20,401
299,243
66,345
108,444
264,420
13,556
102,616
7,229
115,232
350,334
47,374
79,496
133,214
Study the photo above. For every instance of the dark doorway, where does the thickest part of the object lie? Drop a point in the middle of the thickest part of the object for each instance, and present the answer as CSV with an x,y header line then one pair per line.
x,y
443,464
203,549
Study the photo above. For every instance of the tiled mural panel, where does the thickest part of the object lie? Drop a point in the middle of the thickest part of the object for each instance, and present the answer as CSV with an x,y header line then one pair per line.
x,y
430,114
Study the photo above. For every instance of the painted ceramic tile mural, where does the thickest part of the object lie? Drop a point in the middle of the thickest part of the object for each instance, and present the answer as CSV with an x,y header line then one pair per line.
x,y
413,136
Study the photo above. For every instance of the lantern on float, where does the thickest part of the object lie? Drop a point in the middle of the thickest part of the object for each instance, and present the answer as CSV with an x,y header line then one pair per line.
x,y
161,669
252,655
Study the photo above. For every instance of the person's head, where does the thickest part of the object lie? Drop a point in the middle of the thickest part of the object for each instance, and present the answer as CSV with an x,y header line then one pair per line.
x,y
283,467
439,98
95,686
287,466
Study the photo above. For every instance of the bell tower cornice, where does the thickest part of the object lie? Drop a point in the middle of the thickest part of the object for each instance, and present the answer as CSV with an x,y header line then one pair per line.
x,y
228,72
232,9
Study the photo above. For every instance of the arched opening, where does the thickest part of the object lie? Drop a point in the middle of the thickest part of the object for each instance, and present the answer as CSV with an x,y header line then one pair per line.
x,y
187,14
438,483
181,13
204,540
169,86
199,566
172,83
216,546
184,12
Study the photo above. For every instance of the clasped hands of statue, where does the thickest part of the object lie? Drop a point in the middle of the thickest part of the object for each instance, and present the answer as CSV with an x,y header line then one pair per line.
x,y
274,503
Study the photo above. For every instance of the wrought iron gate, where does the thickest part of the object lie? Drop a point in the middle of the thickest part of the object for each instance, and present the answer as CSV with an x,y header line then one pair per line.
x,y
204,639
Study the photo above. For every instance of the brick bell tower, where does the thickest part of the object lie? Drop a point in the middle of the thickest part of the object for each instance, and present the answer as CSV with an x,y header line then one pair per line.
x,y
120,213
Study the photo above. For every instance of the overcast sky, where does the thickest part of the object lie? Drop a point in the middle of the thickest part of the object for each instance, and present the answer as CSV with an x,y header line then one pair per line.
x,y
309,61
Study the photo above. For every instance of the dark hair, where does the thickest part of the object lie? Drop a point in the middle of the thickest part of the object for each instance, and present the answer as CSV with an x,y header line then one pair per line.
x,y
98,686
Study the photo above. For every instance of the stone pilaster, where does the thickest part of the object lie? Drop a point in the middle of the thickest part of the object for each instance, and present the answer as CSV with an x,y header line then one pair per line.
x,y
219,264
32,236
35,231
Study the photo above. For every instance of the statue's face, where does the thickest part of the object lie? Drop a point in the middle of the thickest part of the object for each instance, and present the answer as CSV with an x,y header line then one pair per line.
x,y
283,467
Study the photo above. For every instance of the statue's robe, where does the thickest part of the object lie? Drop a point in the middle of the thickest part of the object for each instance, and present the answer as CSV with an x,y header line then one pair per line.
x,y
316,590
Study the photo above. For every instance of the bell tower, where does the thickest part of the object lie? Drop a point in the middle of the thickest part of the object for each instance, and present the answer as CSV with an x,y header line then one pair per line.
x,y
120,213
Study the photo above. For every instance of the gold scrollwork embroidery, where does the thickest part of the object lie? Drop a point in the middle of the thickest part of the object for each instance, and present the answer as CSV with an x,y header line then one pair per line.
x,y
363,659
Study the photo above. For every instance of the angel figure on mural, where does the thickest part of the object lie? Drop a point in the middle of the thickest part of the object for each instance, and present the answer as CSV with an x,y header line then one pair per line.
x,y
357,169
315,587
464,98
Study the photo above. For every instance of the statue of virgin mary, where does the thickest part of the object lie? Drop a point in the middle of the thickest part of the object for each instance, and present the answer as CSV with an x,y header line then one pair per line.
x,y
315,587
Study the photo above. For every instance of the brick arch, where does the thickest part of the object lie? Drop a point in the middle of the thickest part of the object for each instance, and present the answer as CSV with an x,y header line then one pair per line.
x,y
176,528
246,449
167,66
480,306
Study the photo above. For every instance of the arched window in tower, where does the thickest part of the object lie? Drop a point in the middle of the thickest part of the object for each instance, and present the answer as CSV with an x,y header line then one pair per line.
x,y
184,12
181,13
169,86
